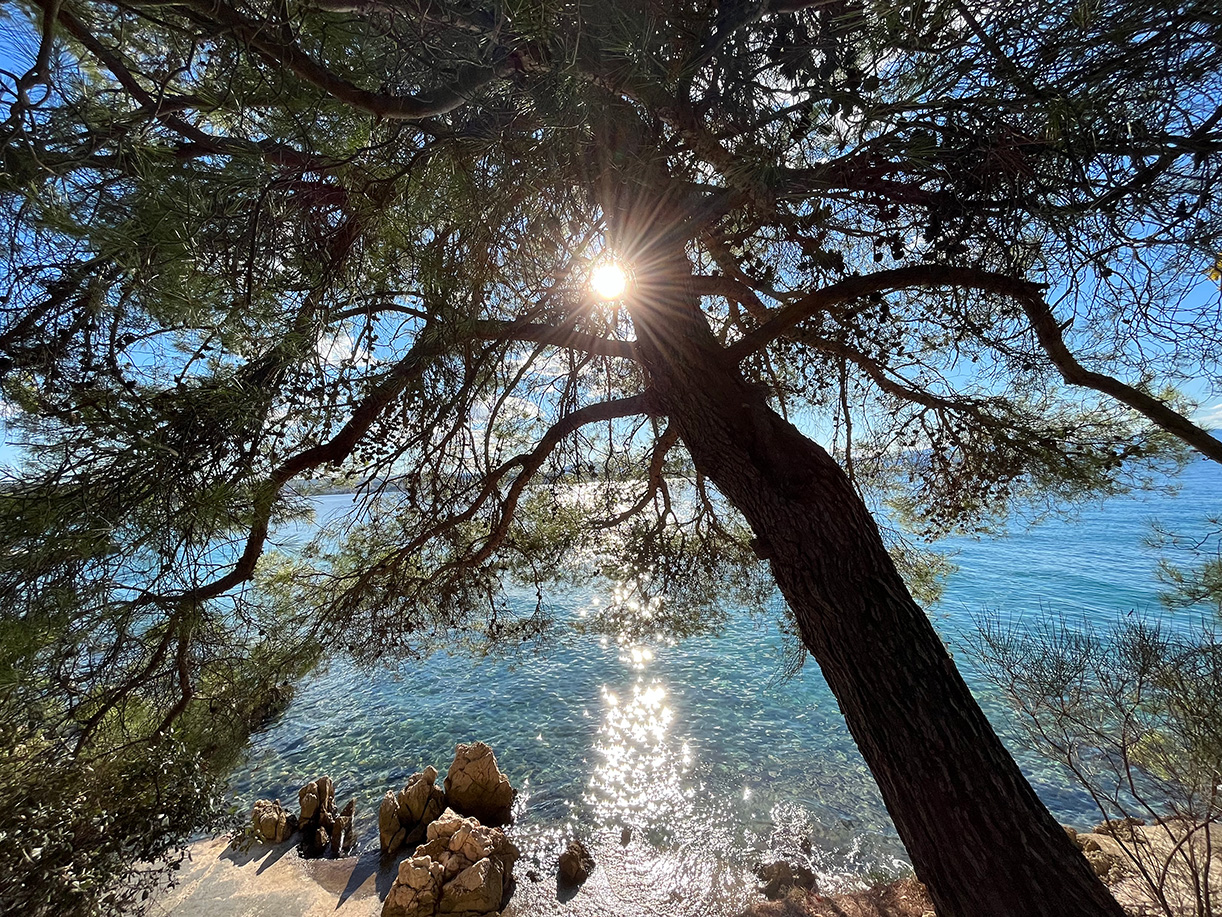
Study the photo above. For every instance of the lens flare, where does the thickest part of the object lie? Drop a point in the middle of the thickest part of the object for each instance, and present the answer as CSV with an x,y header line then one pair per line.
x,y
609,280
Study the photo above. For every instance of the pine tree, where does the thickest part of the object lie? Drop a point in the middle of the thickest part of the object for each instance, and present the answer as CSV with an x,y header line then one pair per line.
x,y
252,245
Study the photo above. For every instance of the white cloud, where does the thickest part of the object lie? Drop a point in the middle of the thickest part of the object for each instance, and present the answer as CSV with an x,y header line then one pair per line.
x,y
334,349
1209,417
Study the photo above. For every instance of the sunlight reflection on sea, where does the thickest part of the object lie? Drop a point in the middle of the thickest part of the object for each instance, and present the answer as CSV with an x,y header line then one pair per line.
x,y
697,748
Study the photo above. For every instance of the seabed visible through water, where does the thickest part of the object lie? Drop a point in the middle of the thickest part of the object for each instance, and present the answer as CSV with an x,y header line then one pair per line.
x,y
710,759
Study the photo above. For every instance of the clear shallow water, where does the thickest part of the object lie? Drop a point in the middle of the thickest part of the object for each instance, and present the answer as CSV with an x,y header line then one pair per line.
x,y
711,759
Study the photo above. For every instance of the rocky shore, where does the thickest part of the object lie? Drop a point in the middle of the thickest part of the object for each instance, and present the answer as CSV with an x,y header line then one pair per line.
x,y
436,846
443,849
461,861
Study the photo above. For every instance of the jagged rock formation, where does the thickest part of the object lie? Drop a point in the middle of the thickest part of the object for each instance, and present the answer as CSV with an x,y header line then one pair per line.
x,y
271,822
321,828
475,786
403,818
465,868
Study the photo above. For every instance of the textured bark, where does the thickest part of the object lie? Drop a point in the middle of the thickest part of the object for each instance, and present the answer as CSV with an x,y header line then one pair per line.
x,y
978,835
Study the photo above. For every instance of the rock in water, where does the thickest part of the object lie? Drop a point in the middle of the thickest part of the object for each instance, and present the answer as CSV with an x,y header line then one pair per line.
x,y
318,818
419,795
271,822
475,786
780,877
390,832
314,798
464,868
477,889
342,833
404,817
575,865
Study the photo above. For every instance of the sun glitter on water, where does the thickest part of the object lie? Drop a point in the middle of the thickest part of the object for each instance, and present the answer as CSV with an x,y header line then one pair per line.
x,y
609,280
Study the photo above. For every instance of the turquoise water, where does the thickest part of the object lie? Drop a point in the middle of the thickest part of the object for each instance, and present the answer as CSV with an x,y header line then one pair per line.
x,y
700,747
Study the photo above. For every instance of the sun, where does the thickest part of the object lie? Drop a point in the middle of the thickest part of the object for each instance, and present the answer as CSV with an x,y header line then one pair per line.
x,y
609,280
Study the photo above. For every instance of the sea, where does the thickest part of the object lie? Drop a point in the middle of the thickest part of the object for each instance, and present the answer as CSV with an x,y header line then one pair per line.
x,y
690,762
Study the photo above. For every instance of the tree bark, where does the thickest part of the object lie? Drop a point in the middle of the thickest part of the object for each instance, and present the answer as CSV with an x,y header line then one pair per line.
x,y
978,835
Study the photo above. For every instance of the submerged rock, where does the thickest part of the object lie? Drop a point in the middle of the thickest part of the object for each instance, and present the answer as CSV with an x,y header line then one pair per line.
x,y
271,822
463,868
270,704
475,786
781,877
575,865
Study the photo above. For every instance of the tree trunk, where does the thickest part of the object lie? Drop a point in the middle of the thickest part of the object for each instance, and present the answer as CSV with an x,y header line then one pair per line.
x,y
979,837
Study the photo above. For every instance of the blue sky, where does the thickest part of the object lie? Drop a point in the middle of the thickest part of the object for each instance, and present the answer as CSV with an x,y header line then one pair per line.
x,y
18,45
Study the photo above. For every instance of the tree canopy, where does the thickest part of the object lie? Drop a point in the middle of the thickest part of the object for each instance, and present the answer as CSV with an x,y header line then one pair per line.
x,y
253,245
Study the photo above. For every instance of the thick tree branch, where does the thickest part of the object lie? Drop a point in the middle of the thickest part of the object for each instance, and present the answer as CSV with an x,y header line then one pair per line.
x,y
38,73
529,463
533,461
851,288
264,40
165,110
732,286
1028,295
858,172
1048,333
331,452
182,668
366,413
475,21
114,693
